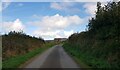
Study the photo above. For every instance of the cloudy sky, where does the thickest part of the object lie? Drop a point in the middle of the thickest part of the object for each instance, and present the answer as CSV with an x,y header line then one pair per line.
x,y
48,20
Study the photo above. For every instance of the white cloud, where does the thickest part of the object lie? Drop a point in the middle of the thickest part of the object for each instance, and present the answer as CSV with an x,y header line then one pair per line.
x,y
58,21
65,6
48,34
90,8
50,27
51,34
62,5
56,6
116,0
17,25
68,33
5,5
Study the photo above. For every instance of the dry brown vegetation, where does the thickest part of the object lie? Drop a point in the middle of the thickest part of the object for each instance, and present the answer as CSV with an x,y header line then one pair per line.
x,y
18,43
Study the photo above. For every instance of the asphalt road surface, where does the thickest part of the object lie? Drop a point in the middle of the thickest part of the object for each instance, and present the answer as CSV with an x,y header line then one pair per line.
x,y
54,57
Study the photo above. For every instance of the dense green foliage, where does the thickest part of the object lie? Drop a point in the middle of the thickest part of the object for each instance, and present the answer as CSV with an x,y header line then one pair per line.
x,y
99,46
17,43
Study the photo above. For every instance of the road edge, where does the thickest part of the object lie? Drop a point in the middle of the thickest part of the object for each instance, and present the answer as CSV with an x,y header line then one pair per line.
x,y
31,59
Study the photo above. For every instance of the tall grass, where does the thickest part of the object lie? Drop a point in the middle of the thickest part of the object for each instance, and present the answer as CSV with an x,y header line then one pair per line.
x,y
86,60
16,61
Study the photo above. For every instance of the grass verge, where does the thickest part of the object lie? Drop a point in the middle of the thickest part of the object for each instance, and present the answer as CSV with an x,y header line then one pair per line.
x,y
75,57
15,62
86,61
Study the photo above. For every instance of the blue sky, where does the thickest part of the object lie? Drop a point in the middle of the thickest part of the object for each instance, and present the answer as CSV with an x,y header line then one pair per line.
x,y
27,9
47,19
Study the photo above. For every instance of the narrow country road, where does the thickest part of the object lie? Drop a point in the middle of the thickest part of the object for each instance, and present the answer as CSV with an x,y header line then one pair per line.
x,y
54,57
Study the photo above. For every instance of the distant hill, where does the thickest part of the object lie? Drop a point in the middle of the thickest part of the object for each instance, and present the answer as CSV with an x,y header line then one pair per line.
x,y
100,44
17,43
